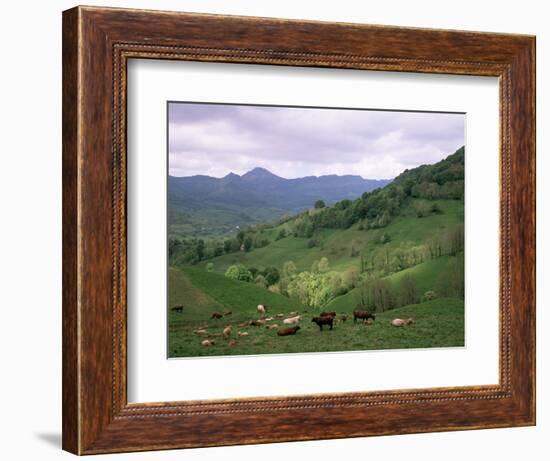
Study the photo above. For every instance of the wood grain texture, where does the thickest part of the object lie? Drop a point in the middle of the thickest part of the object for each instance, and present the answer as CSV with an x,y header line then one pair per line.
x,y
97,43
70,384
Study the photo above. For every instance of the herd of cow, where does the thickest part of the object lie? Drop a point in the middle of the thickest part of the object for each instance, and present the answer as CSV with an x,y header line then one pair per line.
x,y
290,323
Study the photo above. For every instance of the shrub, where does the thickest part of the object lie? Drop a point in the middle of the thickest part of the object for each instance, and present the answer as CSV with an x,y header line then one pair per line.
x,y
312,243
271,275
238,272
436,208
282,234
429,295
260,281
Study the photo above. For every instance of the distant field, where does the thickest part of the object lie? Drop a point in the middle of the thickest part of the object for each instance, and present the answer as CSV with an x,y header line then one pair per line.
x,y
439,323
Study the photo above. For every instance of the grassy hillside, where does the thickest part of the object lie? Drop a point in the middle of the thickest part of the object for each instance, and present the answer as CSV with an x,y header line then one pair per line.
x,y
438,323
425,274
337,244
203,293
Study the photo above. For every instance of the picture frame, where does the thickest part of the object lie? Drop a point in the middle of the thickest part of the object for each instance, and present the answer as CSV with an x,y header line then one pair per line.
x,y
97,44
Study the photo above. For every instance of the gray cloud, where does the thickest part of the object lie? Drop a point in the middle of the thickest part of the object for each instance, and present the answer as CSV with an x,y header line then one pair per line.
x,y
216,139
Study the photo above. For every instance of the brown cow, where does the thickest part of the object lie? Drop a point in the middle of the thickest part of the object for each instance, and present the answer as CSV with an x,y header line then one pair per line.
x,y
363,315
287,331
177,308
216,315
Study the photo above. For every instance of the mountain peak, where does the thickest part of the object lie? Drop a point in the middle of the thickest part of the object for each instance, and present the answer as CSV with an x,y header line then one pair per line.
x,y
231,175
259,173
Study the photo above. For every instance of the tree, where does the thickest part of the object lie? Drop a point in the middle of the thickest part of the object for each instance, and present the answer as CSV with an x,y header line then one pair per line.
x,y
238,272
227,246
240,237
289,269
409,290
310,289
455,239
320,204
457,277
350,278
173,247
323,265
282,234
200,249
354,251
260,281
271,275
247,243
382,296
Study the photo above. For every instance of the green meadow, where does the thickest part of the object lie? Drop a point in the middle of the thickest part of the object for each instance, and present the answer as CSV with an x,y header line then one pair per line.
x,y
438,323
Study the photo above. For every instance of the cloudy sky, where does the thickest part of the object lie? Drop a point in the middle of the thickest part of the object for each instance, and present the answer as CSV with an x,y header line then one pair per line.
x,y
216,139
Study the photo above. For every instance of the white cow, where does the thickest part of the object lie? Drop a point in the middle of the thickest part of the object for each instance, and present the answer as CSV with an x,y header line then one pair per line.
x,y
402,322
292,320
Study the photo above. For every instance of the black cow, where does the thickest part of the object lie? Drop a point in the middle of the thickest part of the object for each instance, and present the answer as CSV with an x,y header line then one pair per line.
x,y
323,320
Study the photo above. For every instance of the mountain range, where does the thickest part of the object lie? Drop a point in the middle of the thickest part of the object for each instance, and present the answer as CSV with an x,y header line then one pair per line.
x,y
203,205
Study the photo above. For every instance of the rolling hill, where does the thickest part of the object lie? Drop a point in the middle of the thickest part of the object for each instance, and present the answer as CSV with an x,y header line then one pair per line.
x,y
397,250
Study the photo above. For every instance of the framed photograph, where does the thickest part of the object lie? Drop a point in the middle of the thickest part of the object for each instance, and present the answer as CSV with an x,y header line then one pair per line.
x,y
282,230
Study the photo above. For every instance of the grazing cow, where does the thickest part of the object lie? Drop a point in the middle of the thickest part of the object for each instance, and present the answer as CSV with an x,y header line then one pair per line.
x,y
177,308
328,314
293,313
343,317
287,331
402,322
279,316
242,333
208,343
226,313
256,323
200,331
227,332
232,343
363,315
272,327
268,319
323,320
216,315
292,320
262,309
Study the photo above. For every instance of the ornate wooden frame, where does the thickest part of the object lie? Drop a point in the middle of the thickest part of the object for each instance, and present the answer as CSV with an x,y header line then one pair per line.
x,y
97,43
